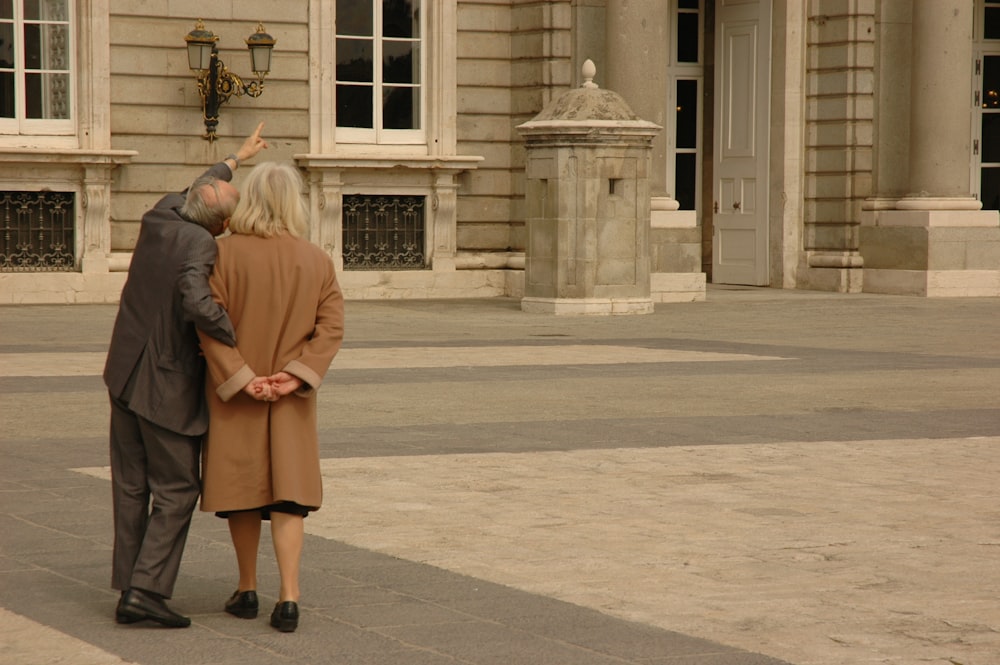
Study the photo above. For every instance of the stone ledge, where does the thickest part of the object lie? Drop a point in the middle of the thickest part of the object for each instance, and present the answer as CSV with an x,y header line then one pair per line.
x,y
428,284
587,306
62,156
60,288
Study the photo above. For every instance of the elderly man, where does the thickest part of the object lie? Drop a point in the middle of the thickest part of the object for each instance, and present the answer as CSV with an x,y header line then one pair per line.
x,y
155,377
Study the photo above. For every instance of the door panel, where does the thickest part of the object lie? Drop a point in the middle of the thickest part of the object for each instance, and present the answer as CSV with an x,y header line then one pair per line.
x,y
740,242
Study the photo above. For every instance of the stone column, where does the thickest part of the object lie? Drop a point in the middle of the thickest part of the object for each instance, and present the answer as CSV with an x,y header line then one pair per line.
x,y
638,43
940,122
891,123
638,48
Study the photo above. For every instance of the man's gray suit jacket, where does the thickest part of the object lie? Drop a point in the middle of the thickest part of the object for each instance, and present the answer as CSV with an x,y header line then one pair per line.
x,y
154,354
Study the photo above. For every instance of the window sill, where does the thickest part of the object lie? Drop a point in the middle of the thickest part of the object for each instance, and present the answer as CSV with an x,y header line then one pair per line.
x,y
58,156
452,163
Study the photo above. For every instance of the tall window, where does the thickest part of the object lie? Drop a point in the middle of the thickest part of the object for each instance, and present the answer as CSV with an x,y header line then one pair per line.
x,y
687,72
380,71
986,110
36,61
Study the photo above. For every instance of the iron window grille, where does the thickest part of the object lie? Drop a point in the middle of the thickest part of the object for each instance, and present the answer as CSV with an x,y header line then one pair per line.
x,y
36,232
383,232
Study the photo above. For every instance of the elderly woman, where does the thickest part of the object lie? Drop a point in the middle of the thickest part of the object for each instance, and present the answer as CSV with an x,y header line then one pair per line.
x,y
261,455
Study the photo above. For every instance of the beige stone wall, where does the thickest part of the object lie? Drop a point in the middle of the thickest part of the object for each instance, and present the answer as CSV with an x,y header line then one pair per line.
x,y
839,115
513,57
155,107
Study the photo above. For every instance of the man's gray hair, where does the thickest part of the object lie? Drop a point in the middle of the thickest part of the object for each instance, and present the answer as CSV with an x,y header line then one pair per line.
x,y
210,210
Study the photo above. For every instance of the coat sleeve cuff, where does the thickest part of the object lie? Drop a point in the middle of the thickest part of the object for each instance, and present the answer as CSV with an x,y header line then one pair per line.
x,y
235,383
310,379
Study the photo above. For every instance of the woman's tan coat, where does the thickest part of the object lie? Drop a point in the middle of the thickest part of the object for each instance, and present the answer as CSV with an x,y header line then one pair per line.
x,y
286,305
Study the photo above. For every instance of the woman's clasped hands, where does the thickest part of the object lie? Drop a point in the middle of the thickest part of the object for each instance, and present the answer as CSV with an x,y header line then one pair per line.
x,y
274,387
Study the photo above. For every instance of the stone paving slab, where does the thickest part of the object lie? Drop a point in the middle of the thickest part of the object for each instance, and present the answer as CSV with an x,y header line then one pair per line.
x,y
496,495
717,540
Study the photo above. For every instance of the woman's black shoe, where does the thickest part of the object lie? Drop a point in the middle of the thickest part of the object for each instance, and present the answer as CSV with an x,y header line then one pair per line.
x,y
285,616
243,604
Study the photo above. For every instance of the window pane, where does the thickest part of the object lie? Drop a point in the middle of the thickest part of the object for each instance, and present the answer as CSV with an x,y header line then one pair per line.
x,y
6,8
687,4
6,94
400,62
45,46
32,46
354,106
47,96
400,108
354,60
991,137
46,10
7,45
687,38
684,179
989,191
991,26
355,18
687,114
991,82
400,18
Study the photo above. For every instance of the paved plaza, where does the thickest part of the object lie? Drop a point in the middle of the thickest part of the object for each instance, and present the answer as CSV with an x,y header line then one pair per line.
x,y
764,478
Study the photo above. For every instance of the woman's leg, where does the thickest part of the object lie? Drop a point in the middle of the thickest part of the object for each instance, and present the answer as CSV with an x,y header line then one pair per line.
x,y
287,532
244,529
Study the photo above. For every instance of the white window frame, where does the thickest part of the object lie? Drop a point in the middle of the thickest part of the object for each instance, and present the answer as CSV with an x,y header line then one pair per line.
x,y
20,125
378,135
981,49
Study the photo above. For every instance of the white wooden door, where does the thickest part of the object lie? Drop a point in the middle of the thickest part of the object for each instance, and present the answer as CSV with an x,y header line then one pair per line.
x,y
742,92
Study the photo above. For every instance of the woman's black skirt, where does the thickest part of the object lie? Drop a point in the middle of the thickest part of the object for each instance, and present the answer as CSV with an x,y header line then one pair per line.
x,y
289,507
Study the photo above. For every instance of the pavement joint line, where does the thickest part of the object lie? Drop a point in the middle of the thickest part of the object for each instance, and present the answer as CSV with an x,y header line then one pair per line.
x,y
43,364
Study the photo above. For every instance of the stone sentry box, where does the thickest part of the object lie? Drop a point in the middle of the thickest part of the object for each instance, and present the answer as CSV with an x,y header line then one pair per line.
x,y
588,202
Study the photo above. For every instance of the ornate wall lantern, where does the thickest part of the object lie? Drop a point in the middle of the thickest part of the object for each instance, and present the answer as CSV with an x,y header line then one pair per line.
x,y
216,84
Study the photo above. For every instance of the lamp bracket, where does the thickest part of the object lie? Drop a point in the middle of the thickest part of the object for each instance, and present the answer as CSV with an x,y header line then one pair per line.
x,y
217,85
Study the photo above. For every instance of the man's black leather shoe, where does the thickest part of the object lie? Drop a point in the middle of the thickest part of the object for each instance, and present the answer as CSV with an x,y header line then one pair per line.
x,y
285,616
138,605
119,616
243,604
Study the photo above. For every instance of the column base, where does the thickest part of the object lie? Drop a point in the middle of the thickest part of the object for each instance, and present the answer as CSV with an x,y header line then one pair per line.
x,y
934,283
932,253
677,286
95,264
832,279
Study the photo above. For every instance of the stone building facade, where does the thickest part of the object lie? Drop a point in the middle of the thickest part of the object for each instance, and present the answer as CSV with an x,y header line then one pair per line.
x,y
842,145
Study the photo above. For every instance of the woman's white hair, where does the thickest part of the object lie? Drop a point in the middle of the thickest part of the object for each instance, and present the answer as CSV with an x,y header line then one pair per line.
x,y
271,202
